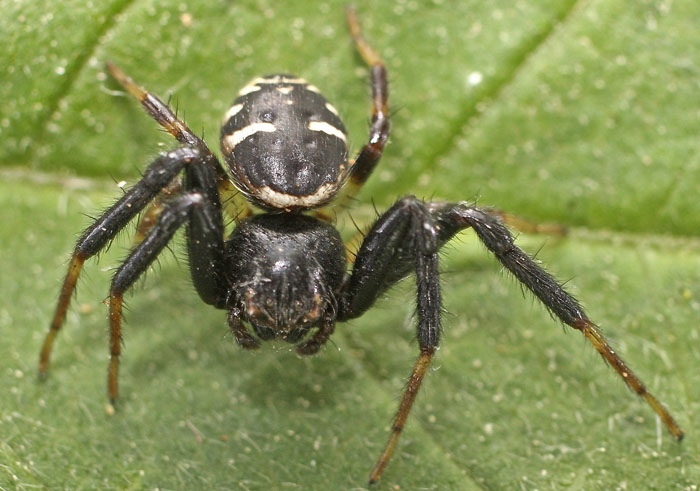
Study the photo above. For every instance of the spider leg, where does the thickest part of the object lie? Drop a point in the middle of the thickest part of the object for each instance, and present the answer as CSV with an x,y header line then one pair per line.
x,y
235,205
497,238
150,216
164,115
157,176
407,237
204,235
156,108
404,237
199,207
369,155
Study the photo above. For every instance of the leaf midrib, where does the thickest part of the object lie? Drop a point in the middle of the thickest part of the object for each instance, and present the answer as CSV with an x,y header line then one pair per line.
x,y
492,92
73,72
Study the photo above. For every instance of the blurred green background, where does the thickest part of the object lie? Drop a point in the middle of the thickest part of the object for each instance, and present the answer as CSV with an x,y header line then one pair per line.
x,y
583,113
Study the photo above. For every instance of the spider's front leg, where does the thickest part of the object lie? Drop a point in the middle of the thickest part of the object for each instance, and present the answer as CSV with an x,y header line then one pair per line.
x,y
199,207
157,176
200,204
496,237
406,237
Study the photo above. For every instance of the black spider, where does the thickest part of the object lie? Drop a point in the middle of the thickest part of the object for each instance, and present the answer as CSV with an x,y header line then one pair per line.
x,y
283,273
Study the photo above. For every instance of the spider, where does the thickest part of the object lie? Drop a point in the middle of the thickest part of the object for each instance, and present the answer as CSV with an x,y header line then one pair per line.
x,y
283,272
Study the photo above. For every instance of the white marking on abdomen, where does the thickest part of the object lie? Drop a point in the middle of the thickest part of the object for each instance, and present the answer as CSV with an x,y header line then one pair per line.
x,y
230,141
332,109
276,79
328,129
233,110
251,87
284,200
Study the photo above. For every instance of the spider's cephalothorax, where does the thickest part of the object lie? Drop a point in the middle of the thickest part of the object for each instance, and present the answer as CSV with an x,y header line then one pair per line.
x,y
286,271
284,143
283,274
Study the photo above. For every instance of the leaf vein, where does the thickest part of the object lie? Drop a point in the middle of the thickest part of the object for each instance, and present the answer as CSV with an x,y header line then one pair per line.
x,y
75,69
493,91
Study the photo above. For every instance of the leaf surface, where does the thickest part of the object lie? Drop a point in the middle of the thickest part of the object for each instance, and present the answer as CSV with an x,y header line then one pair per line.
x,y
582,113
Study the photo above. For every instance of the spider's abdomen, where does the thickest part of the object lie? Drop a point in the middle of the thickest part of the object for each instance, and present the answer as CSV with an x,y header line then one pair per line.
x,y
284,143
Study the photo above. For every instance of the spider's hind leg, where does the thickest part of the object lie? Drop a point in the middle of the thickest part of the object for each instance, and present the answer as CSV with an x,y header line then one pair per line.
x,y
368,157
165,116
234,203
155,108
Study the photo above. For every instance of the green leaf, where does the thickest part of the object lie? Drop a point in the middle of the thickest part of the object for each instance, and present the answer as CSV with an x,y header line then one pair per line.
x,y
582,113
